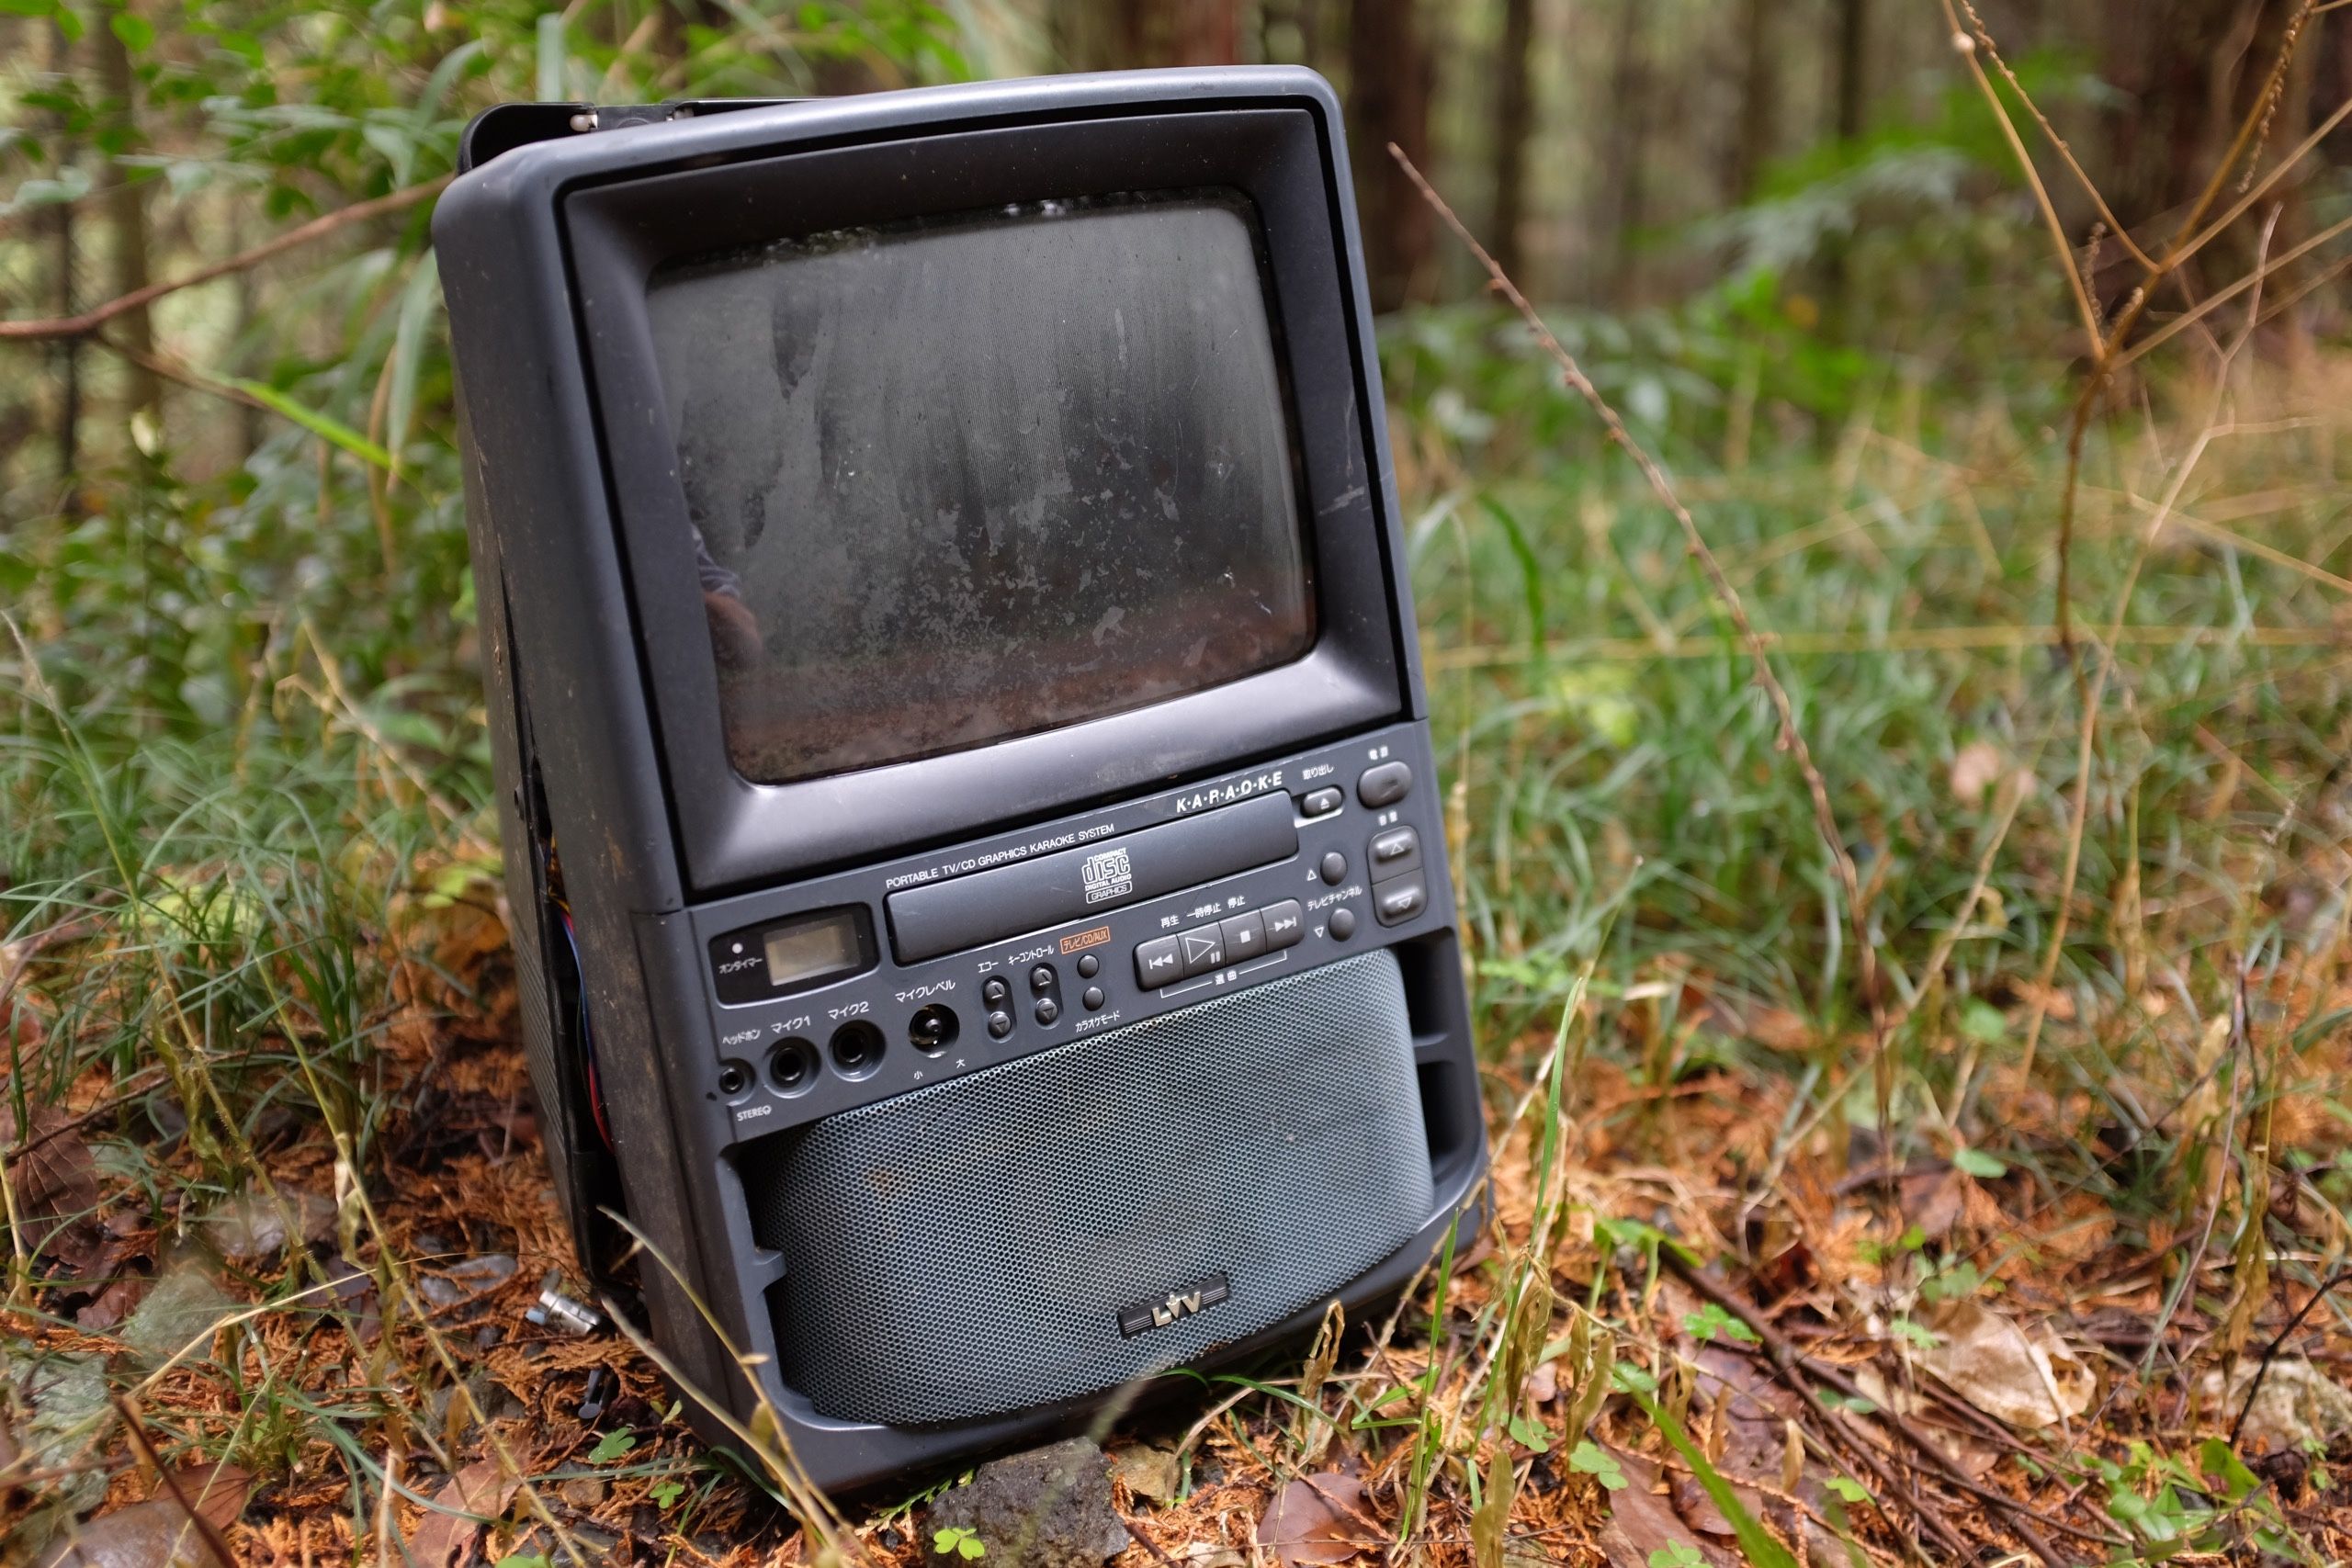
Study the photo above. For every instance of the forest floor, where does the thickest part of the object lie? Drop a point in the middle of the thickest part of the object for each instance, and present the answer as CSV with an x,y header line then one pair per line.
x,y
2048,1372
2016,1243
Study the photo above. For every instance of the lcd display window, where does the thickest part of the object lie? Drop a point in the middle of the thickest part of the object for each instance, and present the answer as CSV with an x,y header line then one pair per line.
x,y
969,478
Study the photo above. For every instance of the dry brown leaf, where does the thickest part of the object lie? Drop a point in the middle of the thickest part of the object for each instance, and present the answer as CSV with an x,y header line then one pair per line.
x,y
1777,1028
1976,768
1934,1201
1641,1522
154,1534
56,1177
216,1491
2027,1379
1316,1519
105,1312
447,1535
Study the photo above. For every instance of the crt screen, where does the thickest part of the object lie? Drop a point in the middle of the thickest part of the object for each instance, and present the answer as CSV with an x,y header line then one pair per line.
x,y
970,479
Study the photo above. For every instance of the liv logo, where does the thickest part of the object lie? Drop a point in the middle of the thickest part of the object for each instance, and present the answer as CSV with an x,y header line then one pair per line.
x,y
1107,875
1174,1307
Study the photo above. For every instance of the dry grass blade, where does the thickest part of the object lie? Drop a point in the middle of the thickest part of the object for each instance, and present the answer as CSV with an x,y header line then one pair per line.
x,y
1792,737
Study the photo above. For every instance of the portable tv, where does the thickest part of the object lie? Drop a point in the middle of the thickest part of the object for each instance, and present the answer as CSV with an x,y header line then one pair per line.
x,y
977,865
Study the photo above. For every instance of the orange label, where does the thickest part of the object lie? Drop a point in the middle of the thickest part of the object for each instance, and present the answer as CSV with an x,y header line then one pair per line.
x,y
1079,941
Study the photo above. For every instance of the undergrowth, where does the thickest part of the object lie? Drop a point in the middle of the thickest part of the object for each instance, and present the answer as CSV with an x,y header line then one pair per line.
x,y
1766,1240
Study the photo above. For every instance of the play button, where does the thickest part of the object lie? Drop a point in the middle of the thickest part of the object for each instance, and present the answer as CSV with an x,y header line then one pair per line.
x,y
1203,950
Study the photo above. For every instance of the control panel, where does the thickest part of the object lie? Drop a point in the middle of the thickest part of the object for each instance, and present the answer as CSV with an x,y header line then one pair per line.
x,y
845,990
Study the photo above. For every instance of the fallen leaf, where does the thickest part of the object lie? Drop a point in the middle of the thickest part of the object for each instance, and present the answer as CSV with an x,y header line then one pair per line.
x,y
56,1183
217,1492
1971,1453
2296,1405
153,1534
1777,1028
1934,1201
104,1311
1316,1519
1642,1526
1976,768
2028,1380
474,1497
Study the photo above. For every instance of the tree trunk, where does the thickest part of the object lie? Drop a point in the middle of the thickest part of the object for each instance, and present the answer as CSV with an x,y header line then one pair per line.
x,y
61,225
1205,33
1389,89
1759,101
1851,68
1110,35
1514,122
1624,188
2176,65
126,216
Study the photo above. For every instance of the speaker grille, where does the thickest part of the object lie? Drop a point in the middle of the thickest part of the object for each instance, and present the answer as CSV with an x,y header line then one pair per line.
x,y
969,1248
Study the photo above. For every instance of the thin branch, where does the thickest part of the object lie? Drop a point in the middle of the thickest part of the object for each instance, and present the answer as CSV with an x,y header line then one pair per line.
x,y
1794,1365
2268,182
2181,323
1966,45
2095,690
88,323
1791,738
2270,1352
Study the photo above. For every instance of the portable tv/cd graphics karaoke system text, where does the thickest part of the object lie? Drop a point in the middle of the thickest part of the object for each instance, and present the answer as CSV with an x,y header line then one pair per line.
x,y
977,866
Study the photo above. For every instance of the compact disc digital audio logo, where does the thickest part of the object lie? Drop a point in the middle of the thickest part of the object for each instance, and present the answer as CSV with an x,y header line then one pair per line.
x,y
1107,875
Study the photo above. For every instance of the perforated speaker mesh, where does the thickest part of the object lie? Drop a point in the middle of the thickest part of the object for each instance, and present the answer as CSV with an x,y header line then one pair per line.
x,y
969,1247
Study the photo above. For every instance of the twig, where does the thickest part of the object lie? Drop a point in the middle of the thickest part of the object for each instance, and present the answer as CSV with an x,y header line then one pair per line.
x,y
1791,1361
1159,1554
136,1084
209,1532
2270,1352
1967,46
91,320
2107,356
2066,153
2095,689
1791,738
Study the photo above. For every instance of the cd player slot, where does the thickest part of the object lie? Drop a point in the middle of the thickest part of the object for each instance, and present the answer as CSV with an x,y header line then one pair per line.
x,y
991,906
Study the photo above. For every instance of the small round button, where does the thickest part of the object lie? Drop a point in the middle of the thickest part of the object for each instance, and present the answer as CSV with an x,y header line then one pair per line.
x,y
1094,997
1343,924
1048,1011
1335,867
999,1024
1088,967
1041,978
993,990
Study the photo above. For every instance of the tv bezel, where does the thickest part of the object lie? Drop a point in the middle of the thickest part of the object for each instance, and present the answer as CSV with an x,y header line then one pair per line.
x,y
732,832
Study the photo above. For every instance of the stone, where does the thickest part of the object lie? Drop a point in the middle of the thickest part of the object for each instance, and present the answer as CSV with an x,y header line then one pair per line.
x,y
466,1278
185,1305
53,1401
1146,1472
251,1226
1047,1508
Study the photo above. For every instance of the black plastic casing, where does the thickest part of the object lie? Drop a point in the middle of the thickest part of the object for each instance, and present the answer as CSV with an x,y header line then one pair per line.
x,y
603,694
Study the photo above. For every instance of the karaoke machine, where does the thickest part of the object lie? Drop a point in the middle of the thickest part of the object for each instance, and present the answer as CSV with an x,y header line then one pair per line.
x,y
977,865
